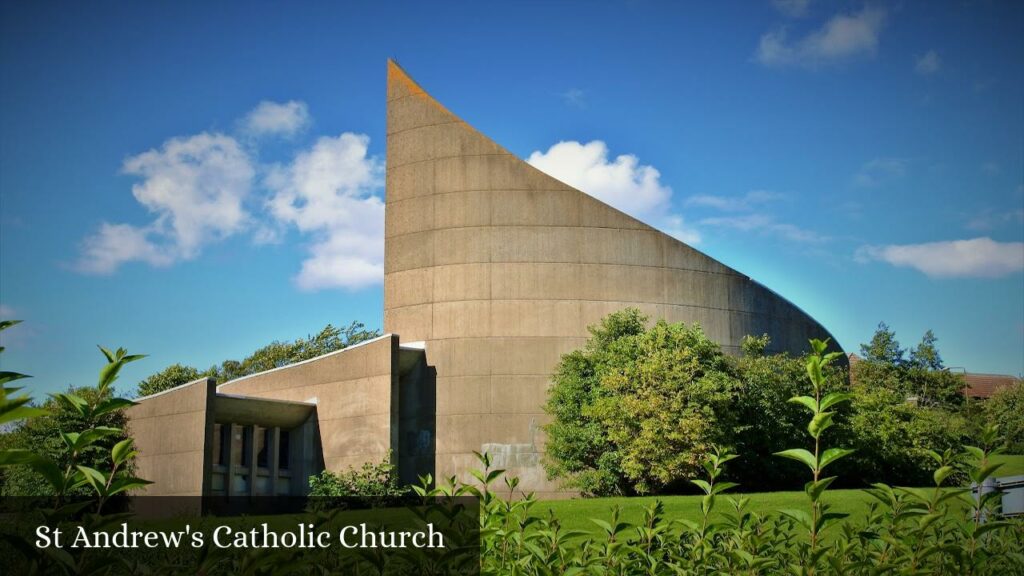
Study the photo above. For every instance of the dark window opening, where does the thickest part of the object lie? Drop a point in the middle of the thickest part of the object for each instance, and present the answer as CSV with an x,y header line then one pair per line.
x,y
262,445
282,450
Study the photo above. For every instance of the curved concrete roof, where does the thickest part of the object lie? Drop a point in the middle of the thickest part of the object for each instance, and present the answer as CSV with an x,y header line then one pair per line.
x,y
499,269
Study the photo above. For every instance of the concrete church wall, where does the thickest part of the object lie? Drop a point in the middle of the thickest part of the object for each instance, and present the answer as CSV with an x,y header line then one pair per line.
x,y
172,432
353,390
501,268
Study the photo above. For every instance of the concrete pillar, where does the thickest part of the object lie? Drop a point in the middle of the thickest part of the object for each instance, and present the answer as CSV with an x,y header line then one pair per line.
x,y
275,463
251,431
229,461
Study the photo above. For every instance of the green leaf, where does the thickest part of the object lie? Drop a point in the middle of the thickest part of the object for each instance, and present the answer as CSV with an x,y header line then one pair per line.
x,y
125,484
723,486
6,377
703,485
800,455
822,421
979,476
833,454
807,401
800,516
14,410
94,477
815,489
835,398
122,451
72,401
111,405
941,474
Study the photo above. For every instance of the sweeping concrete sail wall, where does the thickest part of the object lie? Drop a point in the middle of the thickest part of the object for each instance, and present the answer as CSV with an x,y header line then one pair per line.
x,y
500,268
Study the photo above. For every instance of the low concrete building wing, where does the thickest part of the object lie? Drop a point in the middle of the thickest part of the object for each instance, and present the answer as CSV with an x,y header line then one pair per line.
x,y
267,433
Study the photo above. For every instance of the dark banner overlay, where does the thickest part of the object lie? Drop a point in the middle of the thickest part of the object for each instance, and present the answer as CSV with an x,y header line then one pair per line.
x,y
258,535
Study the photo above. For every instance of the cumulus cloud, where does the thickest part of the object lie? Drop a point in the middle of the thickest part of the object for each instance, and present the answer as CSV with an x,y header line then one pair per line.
x,y
766,225
880,170
844,36
928,63
195,187
274,118
746,202
329,192
623,183
975,258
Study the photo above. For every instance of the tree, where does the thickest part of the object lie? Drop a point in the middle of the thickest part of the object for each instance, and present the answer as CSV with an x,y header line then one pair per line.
x,y
893,437
884,347
926,354
173,375
273,355
638,409
1005,409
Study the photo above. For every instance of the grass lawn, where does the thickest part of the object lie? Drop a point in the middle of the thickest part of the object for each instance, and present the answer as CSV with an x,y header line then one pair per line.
x,y
576,514
1013,464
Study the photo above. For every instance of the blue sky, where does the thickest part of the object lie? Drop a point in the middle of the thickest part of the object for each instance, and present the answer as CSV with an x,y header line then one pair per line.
x,y
192,181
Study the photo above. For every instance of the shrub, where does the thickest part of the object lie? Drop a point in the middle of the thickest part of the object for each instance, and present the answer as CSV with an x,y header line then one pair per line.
x,y
376,482
1005,409
893,435
637,409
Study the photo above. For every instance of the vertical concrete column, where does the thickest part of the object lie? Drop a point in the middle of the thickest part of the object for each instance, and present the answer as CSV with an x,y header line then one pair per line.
x,y
275,458
251,431
229,461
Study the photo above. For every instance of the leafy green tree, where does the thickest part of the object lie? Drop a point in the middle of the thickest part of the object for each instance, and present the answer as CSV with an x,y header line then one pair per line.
x,y
173,375
926,355
273,355
893,437
278,354
883,348
637,410
1005,410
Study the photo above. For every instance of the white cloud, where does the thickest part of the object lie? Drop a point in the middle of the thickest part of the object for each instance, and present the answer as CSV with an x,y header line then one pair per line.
x,y
792,8
880,170
6,312
764,224
978,257
843,36
990,219
623,183
928,63
273,118
195,187
328,192
575,97
732,203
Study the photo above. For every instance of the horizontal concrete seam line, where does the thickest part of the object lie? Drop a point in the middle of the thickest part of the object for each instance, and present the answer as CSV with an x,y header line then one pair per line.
x,y
567,227
528,263
158,455
164,415
502,189
309,384
570,263
404,130
435,302
396,166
